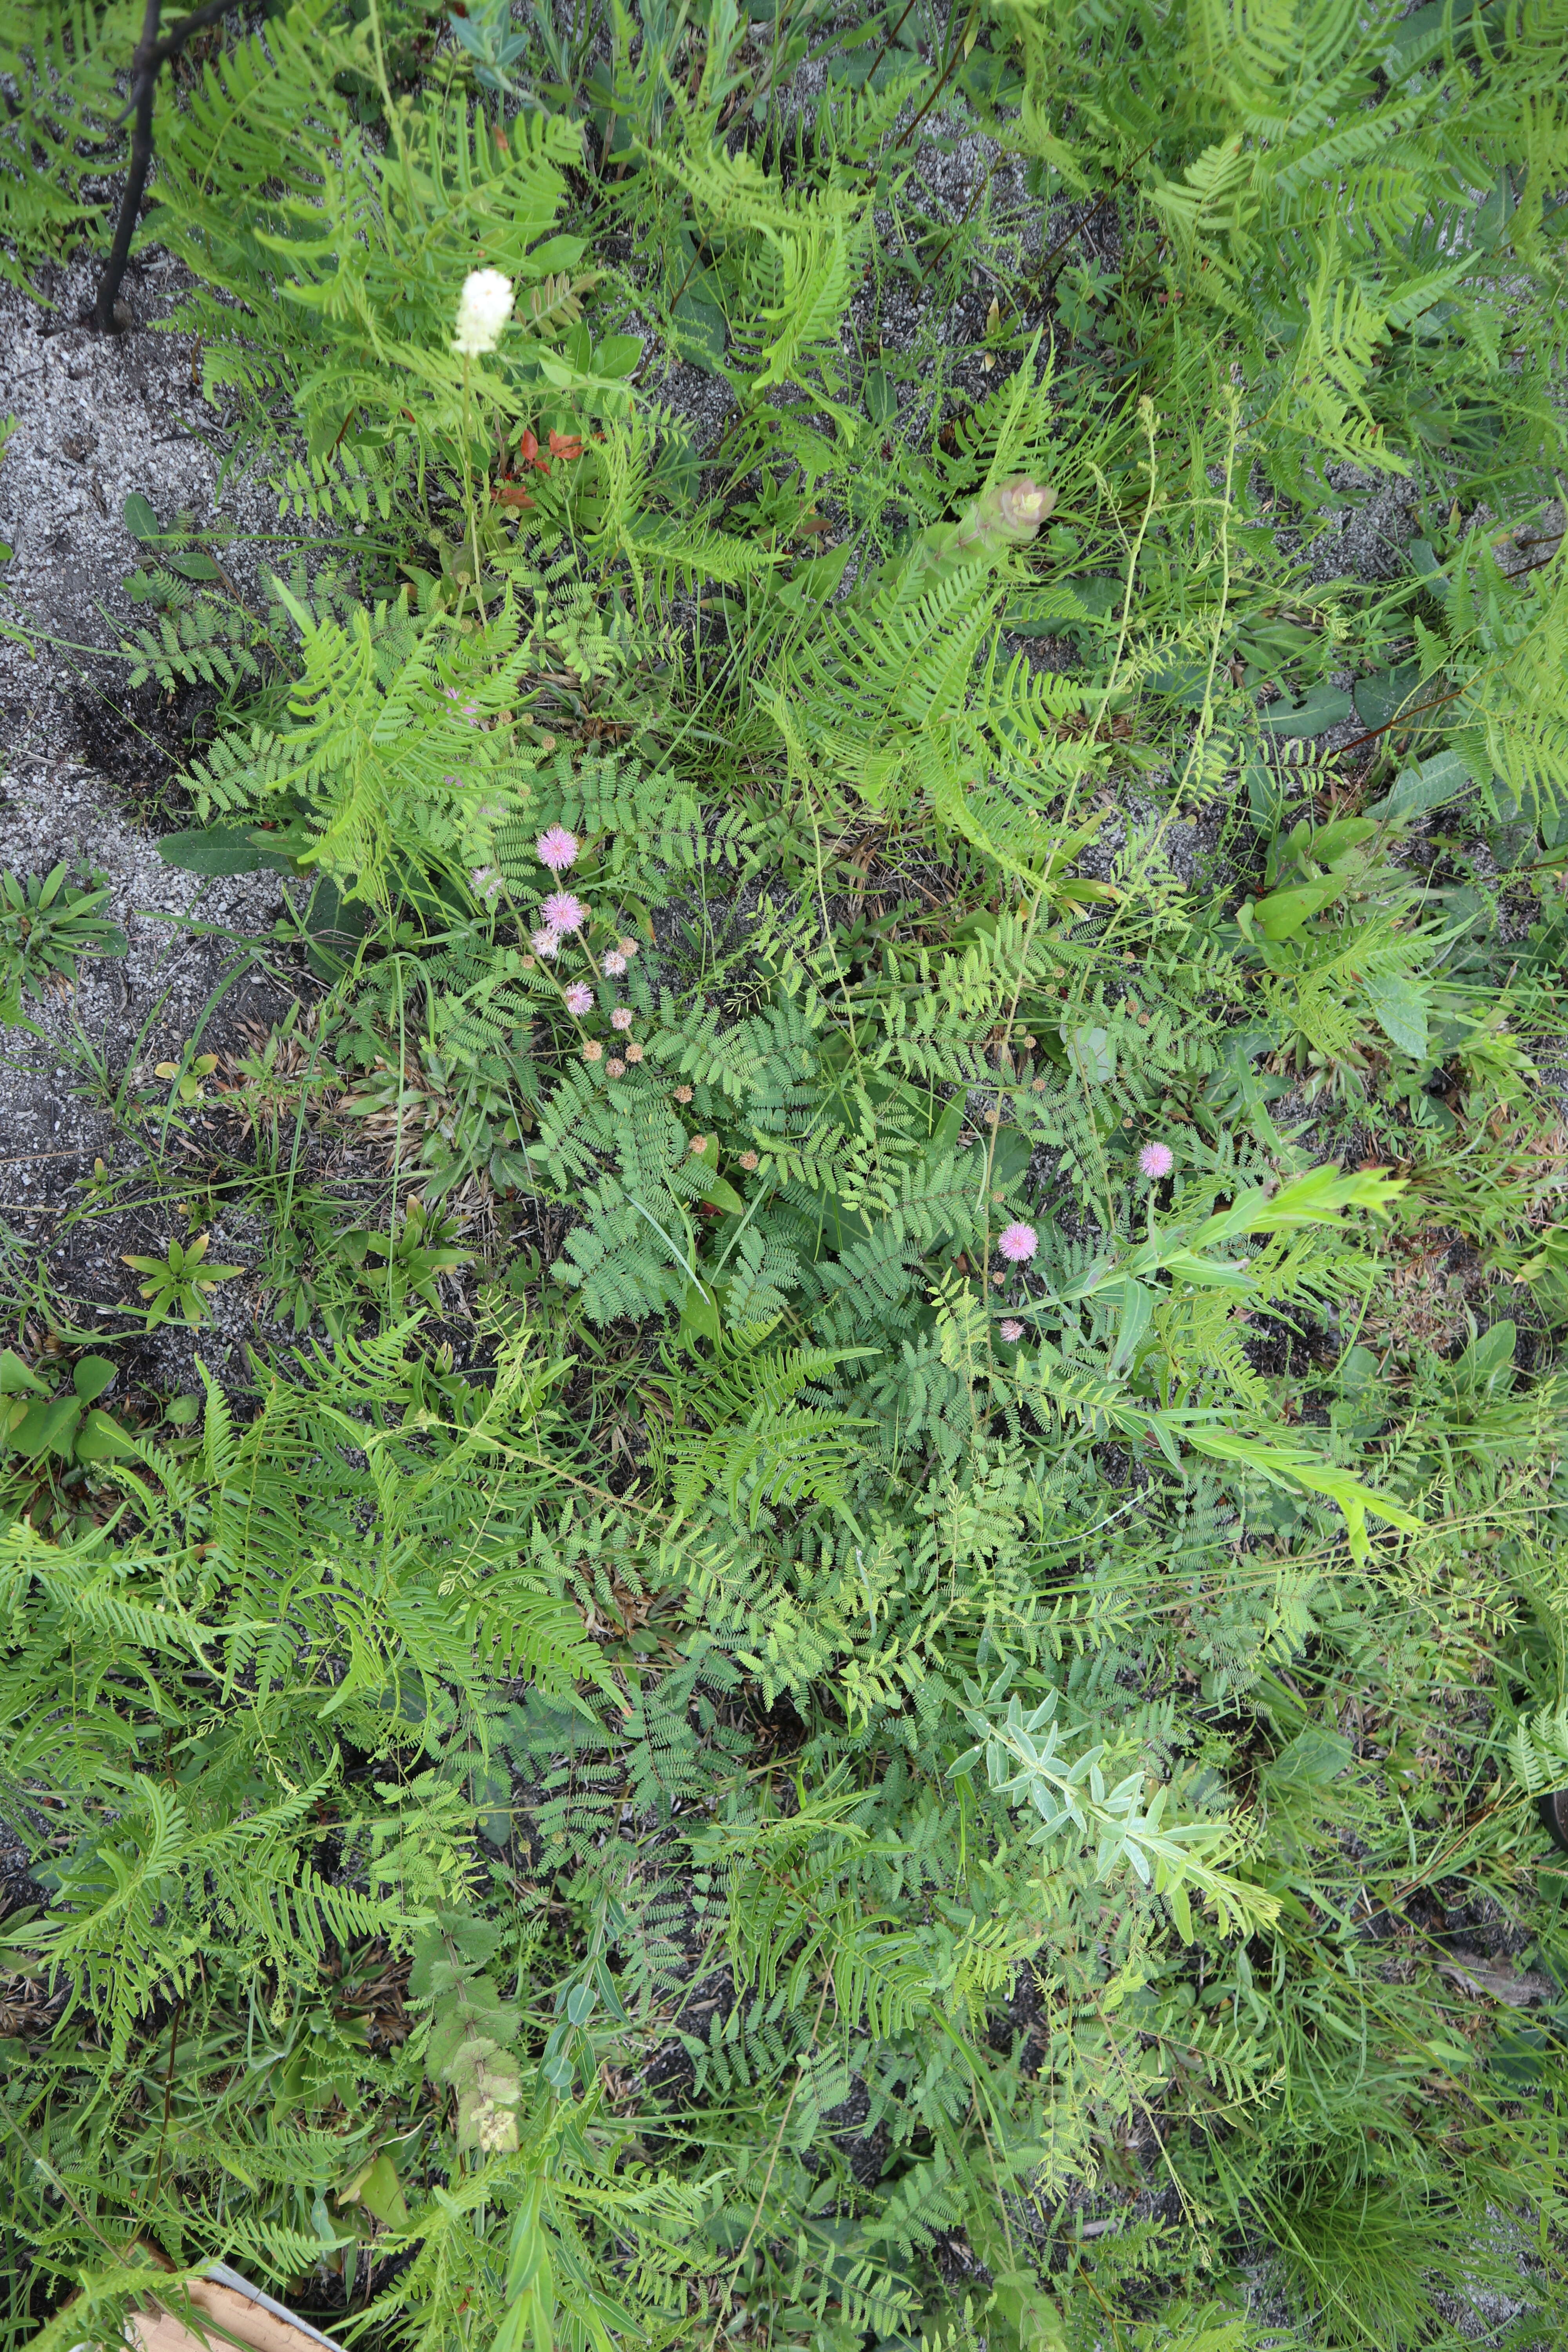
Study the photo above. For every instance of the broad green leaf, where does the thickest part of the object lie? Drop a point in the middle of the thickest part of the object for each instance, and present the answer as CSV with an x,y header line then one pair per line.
x,y
557,253
1380,697
1433,785
700,334
1314,1757
90,1376
1283,912
50,1428
380,2191
221,849
724,1196
1206,1273
1136,1312
617,355
1323,708
1093,1054
193,563
1401,1009
881,397
101,1438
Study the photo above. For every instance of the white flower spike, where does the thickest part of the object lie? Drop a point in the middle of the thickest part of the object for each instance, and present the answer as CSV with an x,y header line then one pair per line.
x,y
483,311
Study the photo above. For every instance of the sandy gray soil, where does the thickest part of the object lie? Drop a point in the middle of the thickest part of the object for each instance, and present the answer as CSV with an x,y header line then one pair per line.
x,y
85,779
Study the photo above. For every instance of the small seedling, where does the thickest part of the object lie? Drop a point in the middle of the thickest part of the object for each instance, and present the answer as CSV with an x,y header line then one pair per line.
x,y
278,1079
310,1270
46,927
189,1090
35,1423
413,1254
179,1283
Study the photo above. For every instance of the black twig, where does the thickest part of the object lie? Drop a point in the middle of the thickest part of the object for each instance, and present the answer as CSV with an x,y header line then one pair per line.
x,y
149,57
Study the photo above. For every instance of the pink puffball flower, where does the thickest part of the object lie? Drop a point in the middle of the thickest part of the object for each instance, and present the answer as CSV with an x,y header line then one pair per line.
x,y
557,850
563,912
579,998
1019,1243
545,942
621,1018
1157,1160
1012,1330
615,963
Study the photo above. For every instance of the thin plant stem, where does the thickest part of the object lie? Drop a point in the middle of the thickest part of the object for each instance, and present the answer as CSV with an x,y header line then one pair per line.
x,y
468,495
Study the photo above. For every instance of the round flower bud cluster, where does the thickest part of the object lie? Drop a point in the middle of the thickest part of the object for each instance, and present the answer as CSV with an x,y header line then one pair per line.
x,y
483,309
565,920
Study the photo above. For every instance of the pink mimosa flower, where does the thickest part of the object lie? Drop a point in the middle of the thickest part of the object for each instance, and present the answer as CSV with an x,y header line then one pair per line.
x,y
563,912
557,849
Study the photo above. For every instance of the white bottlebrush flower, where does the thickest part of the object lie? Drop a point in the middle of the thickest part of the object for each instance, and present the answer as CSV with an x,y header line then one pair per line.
x,y
485,308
